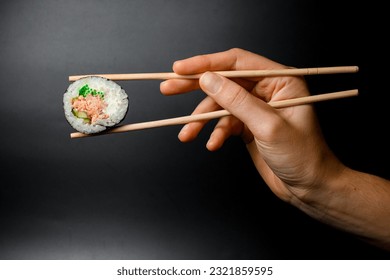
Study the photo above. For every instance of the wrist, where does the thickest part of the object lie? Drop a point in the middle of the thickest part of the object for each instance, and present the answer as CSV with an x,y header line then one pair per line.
x,y
328,180
326,197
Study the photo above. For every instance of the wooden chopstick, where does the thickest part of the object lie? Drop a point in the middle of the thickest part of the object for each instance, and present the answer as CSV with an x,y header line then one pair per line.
x,y
228,74
219,114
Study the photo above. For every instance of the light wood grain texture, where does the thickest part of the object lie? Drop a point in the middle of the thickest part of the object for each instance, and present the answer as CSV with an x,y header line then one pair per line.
x,y
228,74
219,114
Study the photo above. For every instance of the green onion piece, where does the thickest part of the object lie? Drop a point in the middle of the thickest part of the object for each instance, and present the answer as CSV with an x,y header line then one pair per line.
x,y
85,90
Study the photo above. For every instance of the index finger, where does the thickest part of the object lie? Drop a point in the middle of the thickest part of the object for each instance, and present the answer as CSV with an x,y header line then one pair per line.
x,y
233,59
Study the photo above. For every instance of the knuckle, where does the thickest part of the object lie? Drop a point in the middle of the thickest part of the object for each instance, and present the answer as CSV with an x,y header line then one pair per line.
x,y
237,97
205,61
236,54
235,50
273,128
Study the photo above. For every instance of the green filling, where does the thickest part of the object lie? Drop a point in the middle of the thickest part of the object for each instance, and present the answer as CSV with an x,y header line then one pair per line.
x,y
85,90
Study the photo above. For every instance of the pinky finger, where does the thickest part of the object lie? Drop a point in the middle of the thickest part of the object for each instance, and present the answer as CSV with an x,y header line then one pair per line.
x,y
191,130
226,127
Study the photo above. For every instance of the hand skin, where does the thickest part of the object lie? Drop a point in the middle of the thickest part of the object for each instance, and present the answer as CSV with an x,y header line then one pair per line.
x,y
286,145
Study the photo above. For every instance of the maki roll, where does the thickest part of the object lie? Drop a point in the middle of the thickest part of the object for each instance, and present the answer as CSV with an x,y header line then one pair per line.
x,y
93,104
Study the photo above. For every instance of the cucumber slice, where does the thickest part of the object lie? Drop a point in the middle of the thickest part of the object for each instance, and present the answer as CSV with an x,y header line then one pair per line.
x,y
82,115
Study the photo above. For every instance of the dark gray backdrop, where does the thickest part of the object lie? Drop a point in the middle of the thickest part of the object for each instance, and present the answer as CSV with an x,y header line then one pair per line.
x,y
145,195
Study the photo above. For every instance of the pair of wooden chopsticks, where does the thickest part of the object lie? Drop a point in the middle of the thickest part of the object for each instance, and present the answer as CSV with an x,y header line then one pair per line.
x,y
228,74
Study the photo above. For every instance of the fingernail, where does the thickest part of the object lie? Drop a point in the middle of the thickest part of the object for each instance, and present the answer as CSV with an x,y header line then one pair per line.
x,y
174,65
211,82
162,84
183,131
210,144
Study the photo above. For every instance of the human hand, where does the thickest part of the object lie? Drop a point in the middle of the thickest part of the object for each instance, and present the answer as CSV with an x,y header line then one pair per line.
x,y
286,144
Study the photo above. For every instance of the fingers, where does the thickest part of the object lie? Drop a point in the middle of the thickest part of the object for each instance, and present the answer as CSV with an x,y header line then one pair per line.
x,y
255,113
203,63
232,95
233,59
177,86
191,130
226,127
195,65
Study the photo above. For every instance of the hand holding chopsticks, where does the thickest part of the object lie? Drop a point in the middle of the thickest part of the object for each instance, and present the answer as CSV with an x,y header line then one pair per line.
x,y
286,146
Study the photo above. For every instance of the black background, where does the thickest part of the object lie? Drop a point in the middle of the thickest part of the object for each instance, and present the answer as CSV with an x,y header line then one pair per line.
x,y
143,194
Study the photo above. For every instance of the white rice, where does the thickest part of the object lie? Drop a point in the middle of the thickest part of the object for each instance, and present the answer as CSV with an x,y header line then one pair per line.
x,y
114,96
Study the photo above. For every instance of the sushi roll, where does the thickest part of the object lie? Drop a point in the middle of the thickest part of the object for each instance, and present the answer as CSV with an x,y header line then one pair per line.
x,y
94,104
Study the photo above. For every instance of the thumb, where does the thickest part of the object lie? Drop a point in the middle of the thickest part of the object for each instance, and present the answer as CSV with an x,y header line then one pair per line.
x,y
239,102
